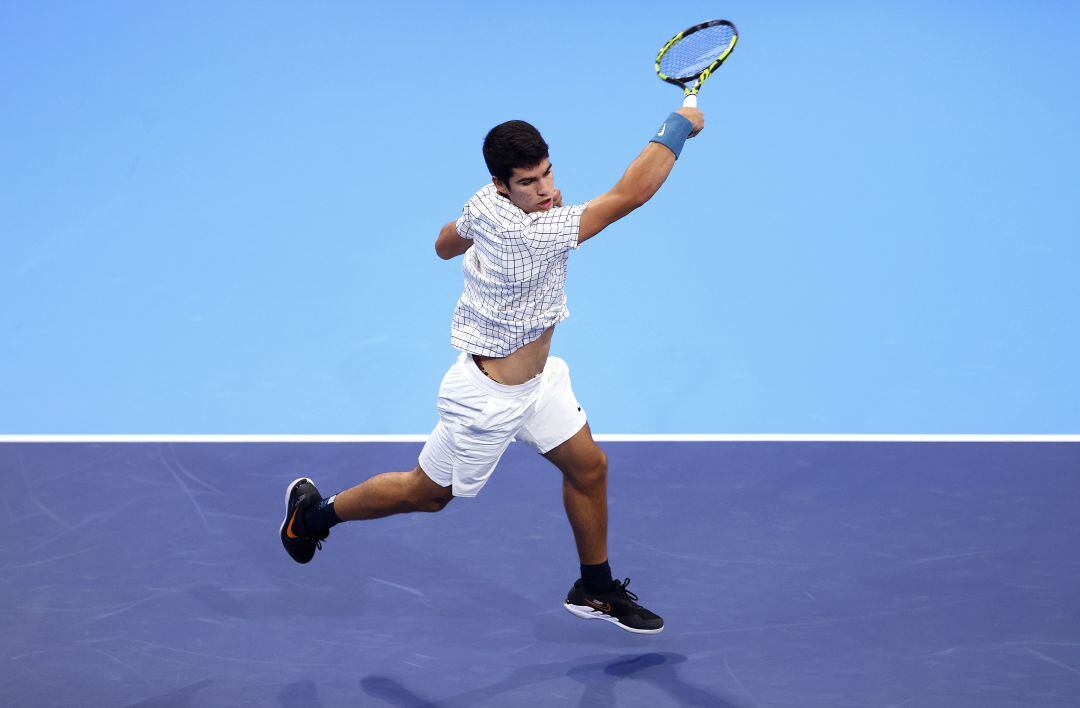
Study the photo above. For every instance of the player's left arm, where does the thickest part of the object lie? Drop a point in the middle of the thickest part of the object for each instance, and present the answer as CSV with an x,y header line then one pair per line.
x,y
450,244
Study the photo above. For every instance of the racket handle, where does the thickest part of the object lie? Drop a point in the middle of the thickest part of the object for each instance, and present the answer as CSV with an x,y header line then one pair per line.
x,y
690,101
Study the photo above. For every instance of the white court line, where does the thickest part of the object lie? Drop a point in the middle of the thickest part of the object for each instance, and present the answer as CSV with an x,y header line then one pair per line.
x,y
610,437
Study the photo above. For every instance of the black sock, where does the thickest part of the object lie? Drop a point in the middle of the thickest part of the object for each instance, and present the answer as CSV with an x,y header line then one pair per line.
x,y
320,518
597,578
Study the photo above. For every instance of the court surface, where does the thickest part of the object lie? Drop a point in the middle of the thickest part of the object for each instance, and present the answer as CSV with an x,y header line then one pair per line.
x,y
789,573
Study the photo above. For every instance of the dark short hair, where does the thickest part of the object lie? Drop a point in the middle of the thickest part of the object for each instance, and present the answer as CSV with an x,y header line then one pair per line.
x,y
513,144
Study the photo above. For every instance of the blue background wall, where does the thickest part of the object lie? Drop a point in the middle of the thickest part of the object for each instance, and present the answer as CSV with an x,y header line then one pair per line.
x,y
220,217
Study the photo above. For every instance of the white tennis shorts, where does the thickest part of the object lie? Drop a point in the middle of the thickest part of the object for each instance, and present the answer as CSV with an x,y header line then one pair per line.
x,y
479,418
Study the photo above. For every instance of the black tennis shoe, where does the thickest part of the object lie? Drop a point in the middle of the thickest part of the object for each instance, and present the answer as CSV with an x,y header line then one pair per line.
x,y
618,606
300,496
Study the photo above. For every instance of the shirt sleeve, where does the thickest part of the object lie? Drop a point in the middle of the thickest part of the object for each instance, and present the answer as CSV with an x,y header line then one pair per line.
x,y
464,222
556,230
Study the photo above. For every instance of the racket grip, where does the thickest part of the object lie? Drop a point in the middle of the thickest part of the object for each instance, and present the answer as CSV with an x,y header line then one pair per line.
x,y
690,101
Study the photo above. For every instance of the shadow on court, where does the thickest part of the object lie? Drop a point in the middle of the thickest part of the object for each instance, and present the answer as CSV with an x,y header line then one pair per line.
x,y
597,675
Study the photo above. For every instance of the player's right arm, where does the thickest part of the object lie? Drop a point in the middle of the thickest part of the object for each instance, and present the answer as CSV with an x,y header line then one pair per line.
x,y
637,185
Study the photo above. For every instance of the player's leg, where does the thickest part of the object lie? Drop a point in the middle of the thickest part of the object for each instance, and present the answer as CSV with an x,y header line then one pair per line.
x,y
391,493
596,595
309,517
584,468
558,429
458,458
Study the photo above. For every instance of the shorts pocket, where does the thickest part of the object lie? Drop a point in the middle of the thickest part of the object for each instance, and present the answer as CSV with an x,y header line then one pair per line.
x,y
481,443
460,403
500,415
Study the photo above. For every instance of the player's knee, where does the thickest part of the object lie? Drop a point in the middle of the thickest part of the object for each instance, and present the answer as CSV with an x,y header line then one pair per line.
x,y
601,465
435,502
591,472
428,496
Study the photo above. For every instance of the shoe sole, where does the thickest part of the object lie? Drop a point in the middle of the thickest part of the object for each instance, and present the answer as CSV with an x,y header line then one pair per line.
x,y
288,495
589,613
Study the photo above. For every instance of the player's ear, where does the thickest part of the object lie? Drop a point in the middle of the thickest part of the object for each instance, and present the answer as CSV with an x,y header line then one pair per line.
x,y
499,186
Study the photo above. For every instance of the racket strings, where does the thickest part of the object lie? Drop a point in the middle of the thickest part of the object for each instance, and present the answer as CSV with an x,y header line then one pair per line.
x,y
692,54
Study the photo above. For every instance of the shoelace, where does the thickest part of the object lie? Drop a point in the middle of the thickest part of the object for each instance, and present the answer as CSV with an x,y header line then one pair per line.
x,y
623,591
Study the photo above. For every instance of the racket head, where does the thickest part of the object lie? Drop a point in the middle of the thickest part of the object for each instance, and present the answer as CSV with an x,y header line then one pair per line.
x,y
695,53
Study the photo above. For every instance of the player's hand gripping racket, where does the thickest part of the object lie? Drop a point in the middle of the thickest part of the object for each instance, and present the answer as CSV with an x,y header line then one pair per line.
x,y
694,54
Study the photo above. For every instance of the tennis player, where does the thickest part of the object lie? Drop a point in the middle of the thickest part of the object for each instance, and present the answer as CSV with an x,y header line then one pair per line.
x,y
516,236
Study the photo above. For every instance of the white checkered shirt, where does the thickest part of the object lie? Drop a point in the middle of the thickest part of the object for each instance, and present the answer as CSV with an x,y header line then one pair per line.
x,y
514,273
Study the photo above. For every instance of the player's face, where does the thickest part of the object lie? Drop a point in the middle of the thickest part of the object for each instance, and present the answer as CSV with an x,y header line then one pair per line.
x,y
531,189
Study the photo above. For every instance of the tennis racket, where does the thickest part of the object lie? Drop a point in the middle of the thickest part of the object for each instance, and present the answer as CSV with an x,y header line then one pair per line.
x,y
694,54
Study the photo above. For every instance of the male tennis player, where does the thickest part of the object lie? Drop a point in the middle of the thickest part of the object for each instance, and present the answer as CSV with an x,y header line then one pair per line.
x,y
517,237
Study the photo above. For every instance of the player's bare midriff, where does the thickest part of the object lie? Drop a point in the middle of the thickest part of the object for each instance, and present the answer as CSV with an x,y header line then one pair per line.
x,y
524,364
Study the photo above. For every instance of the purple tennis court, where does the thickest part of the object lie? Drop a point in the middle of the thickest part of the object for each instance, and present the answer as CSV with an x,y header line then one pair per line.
x,y
788,573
